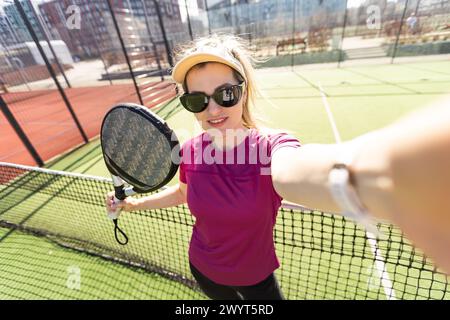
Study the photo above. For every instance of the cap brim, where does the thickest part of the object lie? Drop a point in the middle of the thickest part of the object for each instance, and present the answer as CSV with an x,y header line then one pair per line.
x,y
184,65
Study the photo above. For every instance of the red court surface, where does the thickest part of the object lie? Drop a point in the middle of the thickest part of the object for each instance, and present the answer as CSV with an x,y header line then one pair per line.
x,y
49,126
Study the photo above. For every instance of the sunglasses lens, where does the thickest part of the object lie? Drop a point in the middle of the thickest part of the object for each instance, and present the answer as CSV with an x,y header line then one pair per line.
x,y
195,102
228,97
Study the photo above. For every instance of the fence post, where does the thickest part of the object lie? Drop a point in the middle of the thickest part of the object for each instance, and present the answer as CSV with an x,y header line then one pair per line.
x,y
417,8
293,34
399,32
155,49
343,34
249,25
14,65
163,32
46,38
17,128
188,20
16,38
50,69
207,16
124,49
91,30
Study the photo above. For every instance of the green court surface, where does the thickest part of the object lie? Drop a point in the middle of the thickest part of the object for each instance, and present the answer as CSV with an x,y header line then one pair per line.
x,y
35,268
361,99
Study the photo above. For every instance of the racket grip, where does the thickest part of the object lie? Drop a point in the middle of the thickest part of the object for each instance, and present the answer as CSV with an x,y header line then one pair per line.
x,y
114,214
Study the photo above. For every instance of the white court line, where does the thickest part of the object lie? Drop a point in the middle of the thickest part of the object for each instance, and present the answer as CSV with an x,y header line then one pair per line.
x,y
268,101
266,98
379,260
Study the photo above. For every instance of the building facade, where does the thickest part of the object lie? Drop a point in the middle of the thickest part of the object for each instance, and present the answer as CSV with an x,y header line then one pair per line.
x,y
16,22
97,33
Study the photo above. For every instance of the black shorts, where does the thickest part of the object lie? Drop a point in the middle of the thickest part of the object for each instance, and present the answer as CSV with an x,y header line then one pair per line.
x,y
268,289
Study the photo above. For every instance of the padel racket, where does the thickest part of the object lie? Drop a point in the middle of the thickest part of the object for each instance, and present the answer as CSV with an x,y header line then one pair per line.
x,y
137,147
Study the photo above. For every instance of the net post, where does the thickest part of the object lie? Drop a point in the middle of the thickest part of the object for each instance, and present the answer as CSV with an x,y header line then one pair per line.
x,y
49,67
19,131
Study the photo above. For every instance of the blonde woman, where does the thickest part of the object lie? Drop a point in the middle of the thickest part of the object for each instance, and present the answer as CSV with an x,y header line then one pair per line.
x,y
235,174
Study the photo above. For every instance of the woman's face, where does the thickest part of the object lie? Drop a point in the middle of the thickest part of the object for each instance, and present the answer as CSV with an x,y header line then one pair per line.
x,y
207,79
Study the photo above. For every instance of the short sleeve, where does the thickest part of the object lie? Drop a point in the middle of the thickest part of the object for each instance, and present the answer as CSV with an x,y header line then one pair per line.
x,y
282,140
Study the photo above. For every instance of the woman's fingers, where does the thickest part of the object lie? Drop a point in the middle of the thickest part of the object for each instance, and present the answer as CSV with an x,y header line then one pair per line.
x,y
110,202
113,204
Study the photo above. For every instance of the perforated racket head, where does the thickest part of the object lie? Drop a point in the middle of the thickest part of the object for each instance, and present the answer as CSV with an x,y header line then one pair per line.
x,y
137,146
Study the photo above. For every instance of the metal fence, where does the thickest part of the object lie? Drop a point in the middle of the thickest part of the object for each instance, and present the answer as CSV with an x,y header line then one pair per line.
x,y
293,32
64,63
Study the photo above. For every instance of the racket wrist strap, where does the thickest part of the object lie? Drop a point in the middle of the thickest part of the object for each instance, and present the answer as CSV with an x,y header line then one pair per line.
x,y
117,230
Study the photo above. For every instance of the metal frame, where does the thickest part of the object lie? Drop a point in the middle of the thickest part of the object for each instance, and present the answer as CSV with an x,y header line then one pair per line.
x,y
50,69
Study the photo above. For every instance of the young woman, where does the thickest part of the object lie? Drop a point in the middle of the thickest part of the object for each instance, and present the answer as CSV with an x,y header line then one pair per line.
x,y
225,175
234,175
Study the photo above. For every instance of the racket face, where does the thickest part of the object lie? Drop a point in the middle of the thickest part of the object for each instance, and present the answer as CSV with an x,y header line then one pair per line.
x,y
137,146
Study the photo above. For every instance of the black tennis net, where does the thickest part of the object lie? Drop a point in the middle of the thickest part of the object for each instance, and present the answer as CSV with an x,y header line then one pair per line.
x,y
322,256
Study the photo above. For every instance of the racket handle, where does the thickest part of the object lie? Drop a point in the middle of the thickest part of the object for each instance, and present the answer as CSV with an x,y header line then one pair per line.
x,y
114,214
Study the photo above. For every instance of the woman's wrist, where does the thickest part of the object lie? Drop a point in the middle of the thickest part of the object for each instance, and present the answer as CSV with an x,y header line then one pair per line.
x,y
132,204
139,204
371,175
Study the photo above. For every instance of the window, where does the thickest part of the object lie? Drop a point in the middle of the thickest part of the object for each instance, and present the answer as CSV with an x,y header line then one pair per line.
x,y
169,9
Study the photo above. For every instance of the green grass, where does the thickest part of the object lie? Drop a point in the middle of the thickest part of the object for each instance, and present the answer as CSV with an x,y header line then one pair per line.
x,y
322,265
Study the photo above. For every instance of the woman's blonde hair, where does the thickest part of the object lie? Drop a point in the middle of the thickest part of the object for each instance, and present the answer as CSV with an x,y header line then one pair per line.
x,y
238,49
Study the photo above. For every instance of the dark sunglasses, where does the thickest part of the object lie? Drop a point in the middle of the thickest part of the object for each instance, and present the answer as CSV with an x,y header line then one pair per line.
x,y
226,97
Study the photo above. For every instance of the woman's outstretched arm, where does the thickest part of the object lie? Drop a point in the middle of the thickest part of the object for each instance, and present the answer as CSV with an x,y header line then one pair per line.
x,y
171,196
401,174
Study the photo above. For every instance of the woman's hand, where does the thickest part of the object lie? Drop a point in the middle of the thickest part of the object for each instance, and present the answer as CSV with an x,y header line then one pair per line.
x,y
128,204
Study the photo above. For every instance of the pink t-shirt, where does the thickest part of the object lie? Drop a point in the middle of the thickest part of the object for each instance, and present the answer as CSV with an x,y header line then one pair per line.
x,y
232,197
